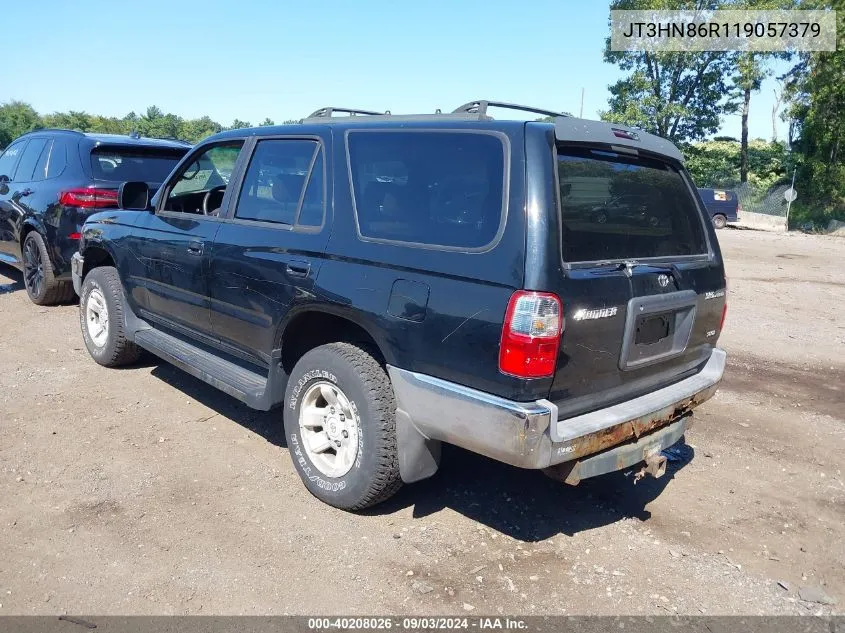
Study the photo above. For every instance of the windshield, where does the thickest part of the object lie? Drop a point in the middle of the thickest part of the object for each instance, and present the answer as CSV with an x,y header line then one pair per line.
x,y
123,165
615,206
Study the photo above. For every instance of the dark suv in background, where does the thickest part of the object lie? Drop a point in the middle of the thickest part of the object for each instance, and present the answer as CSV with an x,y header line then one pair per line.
x,y
51,180
397,281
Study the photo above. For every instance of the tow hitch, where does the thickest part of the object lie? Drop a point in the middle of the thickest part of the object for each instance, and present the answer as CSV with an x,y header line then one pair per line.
x,y
655,465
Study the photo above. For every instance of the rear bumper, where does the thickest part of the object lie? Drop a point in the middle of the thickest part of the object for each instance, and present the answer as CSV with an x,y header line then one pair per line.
x,y
77,262
529,434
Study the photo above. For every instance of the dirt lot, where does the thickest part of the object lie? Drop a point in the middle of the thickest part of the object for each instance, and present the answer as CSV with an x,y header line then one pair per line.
x,y
144,491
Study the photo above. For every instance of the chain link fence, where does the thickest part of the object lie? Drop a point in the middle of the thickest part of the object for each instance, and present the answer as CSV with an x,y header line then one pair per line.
x,y
755,200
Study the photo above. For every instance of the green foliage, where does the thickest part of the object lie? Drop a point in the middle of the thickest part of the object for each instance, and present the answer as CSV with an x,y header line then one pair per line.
x,y
815,88
679,96
716,163
16,118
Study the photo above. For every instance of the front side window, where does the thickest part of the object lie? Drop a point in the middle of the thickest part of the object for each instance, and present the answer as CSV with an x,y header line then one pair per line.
x,y
284,176
440,189
201,184
10,158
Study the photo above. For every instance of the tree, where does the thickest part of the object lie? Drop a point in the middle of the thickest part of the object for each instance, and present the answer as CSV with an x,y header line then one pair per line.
x,y
267,122
677,95
815,92
751,68
71,120
195,130
237,124
16,118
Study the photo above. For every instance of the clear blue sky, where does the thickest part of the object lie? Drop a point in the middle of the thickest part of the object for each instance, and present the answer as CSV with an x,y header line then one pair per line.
x,y
282,59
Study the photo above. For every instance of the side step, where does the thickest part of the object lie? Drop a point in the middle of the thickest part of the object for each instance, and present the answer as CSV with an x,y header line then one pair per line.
x,y
239,382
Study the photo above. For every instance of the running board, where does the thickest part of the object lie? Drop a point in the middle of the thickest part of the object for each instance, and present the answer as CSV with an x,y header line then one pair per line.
x,y
247,386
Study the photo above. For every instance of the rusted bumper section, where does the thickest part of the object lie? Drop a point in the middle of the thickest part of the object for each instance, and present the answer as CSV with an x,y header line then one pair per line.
x,y
529,434
626,455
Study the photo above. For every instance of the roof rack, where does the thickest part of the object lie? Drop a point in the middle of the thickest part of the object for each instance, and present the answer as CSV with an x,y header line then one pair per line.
x,y
480,107
326,113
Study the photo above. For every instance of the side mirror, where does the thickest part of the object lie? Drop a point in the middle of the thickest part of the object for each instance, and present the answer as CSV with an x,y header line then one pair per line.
x,y
133,196
4,178
4,185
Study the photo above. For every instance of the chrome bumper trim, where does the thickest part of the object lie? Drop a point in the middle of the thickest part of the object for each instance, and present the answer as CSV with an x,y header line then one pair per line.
x,y
520,433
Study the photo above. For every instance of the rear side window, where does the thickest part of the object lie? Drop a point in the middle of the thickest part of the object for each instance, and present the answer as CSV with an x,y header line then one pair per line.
x,y
124,164
279,173
29,159
438,189
57,160
41,167
615,206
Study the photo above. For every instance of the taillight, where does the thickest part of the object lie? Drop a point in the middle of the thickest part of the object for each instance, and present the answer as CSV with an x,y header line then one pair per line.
x,y
89,198
74,236
531,335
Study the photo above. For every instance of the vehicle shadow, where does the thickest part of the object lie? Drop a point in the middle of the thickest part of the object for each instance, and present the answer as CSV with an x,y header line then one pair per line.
x,y
523,504
8,273
13,274
267,424
527,505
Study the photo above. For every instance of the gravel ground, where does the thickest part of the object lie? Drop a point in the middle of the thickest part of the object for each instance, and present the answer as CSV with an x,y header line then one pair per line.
x,y
144,491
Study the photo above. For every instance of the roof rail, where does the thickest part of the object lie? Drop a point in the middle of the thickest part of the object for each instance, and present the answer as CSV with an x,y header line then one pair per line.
x,y
54,129
480,107
326,113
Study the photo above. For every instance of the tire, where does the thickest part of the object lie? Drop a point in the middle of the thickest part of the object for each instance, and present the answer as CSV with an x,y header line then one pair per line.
x,y
359,386
39,278
111,347
720,221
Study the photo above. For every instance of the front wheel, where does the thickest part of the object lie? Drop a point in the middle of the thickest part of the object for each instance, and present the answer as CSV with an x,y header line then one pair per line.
x,y
101,310
340,423
720,221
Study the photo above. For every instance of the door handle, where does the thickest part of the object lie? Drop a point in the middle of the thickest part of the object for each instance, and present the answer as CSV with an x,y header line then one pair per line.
x,y
195,247
299,269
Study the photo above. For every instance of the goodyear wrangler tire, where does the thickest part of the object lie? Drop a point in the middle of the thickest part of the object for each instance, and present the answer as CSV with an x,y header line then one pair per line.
x,y
101,313
340,423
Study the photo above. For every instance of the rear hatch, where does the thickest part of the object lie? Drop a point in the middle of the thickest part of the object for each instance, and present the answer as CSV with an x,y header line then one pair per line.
x,y
643,283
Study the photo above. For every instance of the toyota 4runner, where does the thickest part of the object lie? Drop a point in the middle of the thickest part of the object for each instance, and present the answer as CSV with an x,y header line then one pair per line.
x,y
394,282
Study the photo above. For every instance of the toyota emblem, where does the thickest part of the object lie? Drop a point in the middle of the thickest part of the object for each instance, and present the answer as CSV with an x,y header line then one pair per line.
x,y
663,280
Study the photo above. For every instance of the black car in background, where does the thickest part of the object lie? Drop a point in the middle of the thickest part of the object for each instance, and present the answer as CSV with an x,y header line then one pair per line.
x,y
51,181
722,205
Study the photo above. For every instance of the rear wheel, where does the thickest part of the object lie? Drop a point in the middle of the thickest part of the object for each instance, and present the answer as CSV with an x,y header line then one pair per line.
x,y
720,221
340,422
101,312
42,287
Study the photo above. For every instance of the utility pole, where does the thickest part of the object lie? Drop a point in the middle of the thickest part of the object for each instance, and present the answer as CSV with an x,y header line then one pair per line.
x,y
581,113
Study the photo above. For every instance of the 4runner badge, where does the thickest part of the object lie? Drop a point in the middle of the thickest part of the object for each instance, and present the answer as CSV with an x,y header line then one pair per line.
x,y
584,315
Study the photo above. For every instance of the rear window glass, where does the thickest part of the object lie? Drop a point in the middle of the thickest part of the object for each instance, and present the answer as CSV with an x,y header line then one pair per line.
x,y
441,189
122,165
622,207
